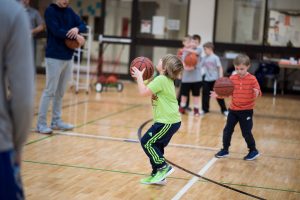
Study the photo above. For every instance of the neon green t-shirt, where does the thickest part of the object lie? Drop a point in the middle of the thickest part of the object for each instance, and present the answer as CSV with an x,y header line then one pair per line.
x,y
164,102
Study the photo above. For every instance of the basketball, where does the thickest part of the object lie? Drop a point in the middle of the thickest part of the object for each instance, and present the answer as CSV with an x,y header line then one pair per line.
x,y
72,44
142,62
224,87
190,59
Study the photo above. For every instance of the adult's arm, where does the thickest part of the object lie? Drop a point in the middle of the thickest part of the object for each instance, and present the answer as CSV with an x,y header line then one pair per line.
x,y
20,76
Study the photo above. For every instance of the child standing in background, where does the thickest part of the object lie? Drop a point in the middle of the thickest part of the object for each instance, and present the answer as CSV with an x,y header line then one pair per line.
x,y
212,70
246,90
186,42
191,77
167,119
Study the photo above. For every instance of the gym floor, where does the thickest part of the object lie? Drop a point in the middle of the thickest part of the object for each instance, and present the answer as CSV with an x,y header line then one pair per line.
x,y
102,159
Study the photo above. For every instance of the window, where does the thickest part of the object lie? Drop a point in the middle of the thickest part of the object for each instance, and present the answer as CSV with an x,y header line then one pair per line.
x,y
240,21
283,27
162,19
118,18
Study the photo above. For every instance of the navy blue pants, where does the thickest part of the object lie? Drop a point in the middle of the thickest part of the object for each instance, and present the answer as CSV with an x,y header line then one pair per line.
x,y
155,140
244,117
10,179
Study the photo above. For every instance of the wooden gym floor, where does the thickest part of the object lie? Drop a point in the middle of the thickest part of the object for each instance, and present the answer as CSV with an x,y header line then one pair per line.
x,y
101,158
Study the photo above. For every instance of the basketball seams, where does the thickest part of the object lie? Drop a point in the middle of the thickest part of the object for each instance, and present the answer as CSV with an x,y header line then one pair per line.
x,y
224,86
142,62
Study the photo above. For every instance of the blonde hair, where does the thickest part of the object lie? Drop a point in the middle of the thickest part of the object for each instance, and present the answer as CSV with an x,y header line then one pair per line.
x,y
241,59
172,66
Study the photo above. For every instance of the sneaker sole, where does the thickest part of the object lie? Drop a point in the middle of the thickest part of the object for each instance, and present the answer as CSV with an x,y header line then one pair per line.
x,y
158,183
61,129
167,174
48,133
253,157
161,182
146,183
225,156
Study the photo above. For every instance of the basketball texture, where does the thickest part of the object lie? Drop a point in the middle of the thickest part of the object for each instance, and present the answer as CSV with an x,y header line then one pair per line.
x,y
72,44
142,62
224,87
191,60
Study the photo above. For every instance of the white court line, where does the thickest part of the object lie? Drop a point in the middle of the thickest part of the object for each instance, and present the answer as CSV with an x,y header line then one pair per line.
x,y
130,140
194,179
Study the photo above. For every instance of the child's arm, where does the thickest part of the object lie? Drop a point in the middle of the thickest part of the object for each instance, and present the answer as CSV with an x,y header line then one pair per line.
x,y
220,71
256,89
144,91
192,51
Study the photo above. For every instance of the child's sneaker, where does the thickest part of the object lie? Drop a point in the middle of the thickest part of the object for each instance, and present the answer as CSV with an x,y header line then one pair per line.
x,y
196,112
162,174
222,153
181,110
202,112
162,182
226,113
147,180
252,155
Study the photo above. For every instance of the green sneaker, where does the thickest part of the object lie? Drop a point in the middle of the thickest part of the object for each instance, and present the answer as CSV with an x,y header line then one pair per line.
x,y
147,180
162,174
162,182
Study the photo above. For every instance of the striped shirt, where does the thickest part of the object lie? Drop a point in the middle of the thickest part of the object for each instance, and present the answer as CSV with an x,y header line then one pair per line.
x,y
243,97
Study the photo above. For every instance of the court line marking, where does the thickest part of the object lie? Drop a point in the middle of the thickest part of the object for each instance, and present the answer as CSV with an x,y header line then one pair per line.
x,y
194,179
129,140
80,125
76,134
141,174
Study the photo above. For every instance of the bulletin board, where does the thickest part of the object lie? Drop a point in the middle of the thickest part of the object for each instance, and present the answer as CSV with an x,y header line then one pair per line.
x,y
284,29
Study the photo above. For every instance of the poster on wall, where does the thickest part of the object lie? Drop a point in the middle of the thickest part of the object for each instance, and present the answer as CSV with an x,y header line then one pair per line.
x,y
173,24
145,26
158,25
284,29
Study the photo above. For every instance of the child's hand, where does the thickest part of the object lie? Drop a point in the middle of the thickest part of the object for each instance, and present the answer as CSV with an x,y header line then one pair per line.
x,y
256,92
137,73
213,94
189,68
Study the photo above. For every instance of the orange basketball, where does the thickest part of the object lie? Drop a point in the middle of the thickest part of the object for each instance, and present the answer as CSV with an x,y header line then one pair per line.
x,y
72,44
224,87
141,63
190,59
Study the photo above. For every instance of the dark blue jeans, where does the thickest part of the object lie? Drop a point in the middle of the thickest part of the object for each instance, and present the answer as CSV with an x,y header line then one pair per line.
x,y
155,140
10,179
244,118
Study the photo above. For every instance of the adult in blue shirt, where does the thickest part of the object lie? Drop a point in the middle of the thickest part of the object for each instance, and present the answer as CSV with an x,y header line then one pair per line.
x,y
62,23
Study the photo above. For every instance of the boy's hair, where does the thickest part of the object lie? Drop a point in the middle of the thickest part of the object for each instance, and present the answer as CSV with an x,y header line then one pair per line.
x,y
172,65
241,59
186,38
196,37
209,45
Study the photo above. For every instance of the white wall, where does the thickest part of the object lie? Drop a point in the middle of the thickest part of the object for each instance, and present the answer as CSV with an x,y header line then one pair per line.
x,y
201,19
